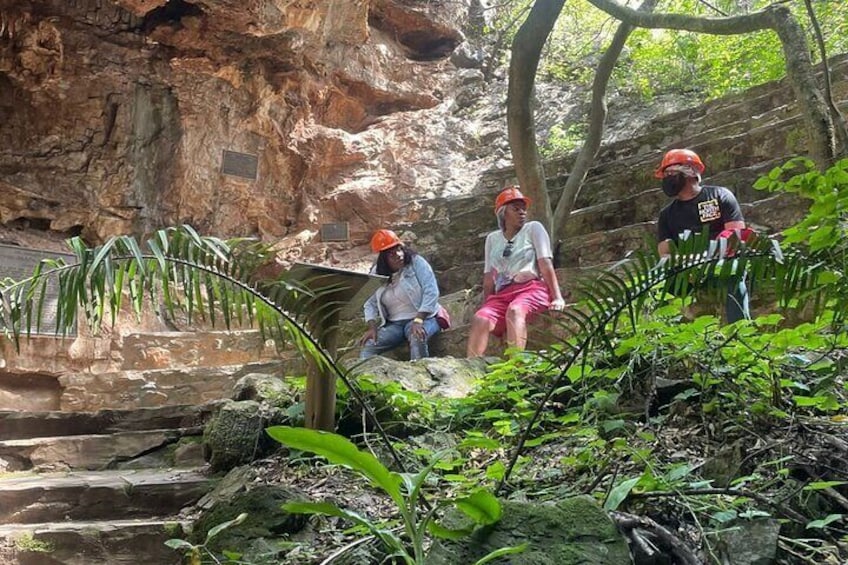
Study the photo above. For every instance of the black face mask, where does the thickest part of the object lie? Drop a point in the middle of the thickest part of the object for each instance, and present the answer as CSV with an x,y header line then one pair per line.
x,y
673,184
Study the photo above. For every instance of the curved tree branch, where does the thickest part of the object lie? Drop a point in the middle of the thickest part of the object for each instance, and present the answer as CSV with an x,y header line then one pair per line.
x,y
526,51
679,550
597,116
799,66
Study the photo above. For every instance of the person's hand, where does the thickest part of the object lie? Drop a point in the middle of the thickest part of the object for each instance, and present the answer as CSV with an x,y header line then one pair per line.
x,y
370,334
417,331
557,304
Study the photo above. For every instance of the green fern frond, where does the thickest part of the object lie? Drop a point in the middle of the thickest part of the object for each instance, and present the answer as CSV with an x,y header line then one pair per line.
x,y
205,277
609,295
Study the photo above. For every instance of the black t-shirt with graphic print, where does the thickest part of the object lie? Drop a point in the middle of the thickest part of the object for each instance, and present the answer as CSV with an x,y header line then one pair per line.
x,y
714,205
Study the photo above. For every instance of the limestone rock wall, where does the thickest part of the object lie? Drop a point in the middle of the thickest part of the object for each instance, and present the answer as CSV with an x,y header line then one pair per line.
x,y
114,115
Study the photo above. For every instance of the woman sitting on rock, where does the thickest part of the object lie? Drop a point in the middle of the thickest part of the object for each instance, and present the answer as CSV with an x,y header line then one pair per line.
x,y
405,308
519,280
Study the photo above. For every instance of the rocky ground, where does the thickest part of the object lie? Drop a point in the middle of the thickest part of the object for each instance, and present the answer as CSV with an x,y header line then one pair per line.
x,y
711,486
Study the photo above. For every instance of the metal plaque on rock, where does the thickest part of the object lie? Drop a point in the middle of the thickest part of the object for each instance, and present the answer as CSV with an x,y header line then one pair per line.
x,y
335,232
242,165
17,263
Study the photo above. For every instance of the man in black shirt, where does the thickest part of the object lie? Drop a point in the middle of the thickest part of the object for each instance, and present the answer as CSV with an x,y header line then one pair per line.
x,y
694,208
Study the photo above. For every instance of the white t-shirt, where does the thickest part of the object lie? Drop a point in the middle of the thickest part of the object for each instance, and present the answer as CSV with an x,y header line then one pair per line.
x,y
529,244
397,302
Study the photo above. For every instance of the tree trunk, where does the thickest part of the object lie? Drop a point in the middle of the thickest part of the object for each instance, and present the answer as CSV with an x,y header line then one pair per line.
x,y
597,117
526,50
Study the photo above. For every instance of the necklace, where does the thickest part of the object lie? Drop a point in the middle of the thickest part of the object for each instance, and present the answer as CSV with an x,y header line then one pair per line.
x,y
508,248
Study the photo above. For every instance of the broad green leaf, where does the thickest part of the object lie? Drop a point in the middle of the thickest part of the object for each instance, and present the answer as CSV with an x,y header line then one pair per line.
x,y
181,544
821,485
619,493
496,471
678,471
480,442
752,514
808,400
831,518
446,533
481,506
612,425
724,516
341,451
223,526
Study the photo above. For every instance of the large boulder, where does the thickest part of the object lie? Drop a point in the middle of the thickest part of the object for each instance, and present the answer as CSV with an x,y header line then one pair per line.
x,y
447,377
266,521
235,435
569,532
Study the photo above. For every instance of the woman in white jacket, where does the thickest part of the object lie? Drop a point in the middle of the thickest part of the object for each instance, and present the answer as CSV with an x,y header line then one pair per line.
x,y
405,308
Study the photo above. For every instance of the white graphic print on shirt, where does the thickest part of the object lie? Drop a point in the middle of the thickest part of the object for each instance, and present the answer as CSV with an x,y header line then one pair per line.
x,y
709,210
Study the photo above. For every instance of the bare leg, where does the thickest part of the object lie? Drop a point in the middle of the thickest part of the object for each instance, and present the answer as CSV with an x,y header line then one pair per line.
x,y
478,339
516,327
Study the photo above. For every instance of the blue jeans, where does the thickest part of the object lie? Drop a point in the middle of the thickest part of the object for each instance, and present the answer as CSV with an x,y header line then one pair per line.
x,y
394,334
736,305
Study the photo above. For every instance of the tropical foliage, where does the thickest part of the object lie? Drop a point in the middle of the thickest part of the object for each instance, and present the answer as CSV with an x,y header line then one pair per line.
x,y
416,516
589,414
663,61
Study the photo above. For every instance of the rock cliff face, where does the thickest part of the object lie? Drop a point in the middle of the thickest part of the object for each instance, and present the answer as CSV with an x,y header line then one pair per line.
x,y
272,118
127,115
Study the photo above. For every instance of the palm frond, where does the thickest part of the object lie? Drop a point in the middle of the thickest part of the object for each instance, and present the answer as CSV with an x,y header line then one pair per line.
x,y
693,262
206,277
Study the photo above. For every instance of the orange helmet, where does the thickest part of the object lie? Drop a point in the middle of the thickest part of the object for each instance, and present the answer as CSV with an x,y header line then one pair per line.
x,y
384,239
509,194
680,157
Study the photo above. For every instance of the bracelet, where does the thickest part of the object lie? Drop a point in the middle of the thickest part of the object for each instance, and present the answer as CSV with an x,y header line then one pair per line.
x,y
417,321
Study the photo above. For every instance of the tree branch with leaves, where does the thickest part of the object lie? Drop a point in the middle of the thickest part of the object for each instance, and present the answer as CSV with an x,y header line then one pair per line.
x,y
527,46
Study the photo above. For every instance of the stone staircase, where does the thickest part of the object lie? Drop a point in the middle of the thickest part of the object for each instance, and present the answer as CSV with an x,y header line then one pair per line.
x,y
98,468
741,137
98,487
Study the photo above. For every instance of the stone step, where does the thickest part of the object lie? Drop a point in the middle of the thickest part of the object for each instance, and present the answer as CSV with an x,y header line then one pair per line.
x,y
98,495
161,387
622,178
607,246
143,351
740,150
645,206
25,425
760,105
756,102
112,542
92,452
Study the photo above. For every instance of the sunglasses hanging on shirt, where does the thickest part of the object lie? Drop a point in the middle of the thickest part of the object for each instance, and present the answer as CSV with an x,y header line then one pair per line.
x,y
508,249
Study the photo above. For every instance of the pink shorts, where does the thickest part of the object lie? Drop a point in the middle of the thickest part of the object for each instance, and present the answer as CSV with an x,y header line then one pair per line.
x,y
532,297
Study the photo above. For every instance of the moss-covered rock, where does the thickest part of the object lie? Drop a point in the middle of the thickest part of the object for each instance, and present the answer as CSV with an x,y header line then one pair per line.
x,y
235,435
570,532
266,522
263,387
434,376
